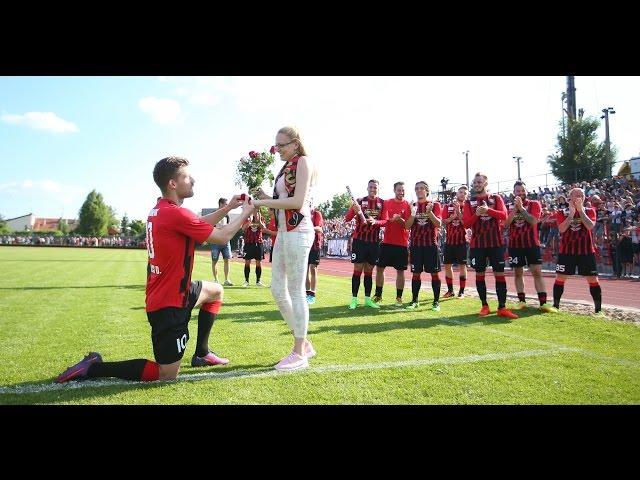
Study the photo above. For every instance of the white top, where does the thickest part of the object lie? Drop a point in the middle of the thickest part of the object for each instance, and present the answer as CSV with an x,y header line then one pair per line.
x,y
306,224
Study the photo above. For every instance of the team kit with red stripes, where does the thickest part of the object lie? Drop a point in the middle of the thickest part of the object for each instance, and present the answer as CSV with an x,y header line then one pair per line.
x,y
483,217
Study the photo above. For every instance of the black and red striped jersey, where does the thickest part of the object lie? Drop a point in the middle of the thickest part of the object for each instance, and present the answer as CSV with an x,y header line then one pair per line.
x,y
423,232
252,233
577,239
521,233
316,219
455,229
371,207
486,229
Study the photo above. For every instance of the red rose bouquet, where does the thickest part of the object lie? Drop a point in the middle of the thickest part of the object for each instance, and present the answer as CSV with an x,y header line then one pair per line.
x,y
253,170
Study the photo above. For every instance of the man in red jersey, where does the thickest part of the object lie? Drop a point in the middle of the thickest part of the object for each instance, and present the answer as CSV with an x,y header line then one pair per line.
x,y
366,245
272,231
314,255
253,247
524,243
577,250
425,222
485,213
455,248
393,250
172,233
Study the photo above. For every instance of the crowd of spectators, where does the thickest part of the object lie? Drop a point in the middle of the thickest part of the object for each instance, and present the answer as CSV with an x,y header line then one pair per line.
x,y
71,240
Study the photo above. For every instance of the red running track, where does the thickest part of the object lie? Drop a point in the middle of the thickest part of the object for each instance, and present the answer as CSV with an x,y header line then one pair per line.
x,y
622,293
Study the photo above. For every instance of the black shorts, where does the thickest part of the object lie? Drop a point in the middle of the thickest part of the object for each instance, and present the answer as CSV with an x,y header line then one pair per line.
x,y
636,248
455,254
314,257
169,328
586,264
362,251
425,259
519,257
479,255
393,256
253,251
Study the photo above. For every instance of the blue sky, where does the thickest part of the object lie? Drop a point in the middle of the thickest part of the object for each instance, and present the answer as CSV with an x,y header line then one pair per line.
x,y
61,137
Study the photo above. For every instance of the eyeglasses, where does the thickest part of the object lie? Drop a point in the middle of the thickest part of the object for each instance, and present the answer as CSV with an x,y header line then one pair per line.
x,y
280,145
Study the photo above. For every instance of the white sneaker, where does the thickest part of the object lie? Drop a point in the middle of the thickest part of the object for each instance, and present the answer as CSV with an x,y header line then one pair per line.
x,y
260,284
291,362
245,284
227,283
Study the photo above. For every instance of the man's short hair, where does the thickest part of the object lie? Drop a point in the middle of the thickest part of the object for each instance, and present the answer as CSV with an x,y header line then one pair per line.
x,y
519,183
480,174
426,185
166,169
221,200
396,184
373,181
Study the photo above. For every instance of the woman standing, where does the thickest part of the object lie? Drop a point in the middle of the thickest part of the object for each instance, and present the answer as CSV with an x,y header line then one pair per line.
x,y
291,202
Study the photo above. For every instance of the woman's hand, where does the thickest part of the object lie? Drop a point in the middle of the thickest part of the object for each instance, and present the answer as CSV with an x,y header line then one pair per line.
x,y
259,193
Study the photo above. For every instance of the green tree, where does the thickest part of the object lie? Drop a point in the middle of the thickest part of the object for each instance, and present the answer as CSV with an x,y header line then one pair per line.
x,y
124,224
94,215
113,220
4,228
137,227
578,155
336,207
64,228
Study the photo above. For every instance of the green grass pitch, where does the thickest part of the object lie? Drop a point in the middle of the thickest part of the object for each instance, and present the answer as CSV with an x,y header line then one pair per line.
x,y
57,304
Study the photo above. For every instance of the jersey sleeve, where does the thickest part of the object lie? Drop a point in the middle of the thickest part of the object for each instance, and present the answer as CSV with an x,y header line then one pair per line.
x,y
437,210
350,214
500,212
591,213
536,210
189,224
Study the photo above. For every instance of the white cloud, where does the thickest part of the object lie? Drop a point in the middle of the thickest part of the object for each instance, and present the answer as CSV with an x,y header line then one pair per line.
x,y
41,121
164,111
43,185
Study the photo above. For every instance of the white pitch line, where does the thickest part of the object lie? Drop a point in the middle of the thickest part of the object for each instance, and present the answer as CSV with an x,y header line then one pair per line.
x,y
51,387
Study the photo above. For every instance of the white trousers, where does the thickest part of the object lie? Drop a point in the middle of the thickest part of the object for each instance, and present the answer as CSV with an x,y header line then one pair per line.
x,y
288,277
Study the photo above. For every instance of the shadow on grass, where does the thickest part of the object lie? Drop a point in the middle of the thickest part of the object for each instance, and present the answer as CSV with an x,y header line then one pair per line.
x,y
88,391
428,320
132,287
232,303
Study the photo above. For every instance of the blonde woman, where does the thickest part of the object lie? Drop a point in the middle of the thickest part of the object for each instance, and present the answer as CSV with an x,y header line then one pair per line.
x,y
291,202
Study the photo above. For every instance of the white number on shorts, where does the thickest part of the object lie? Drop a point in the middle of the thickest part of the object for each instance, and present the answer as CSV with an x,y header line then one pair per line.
x,y
559,268
182,342
514,261
473,261
150,240
353,256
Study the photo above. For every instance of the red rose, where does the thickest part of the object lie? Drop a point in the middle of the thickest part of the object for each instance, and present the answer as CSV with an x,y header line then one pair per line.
x,y
253,154
272,150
